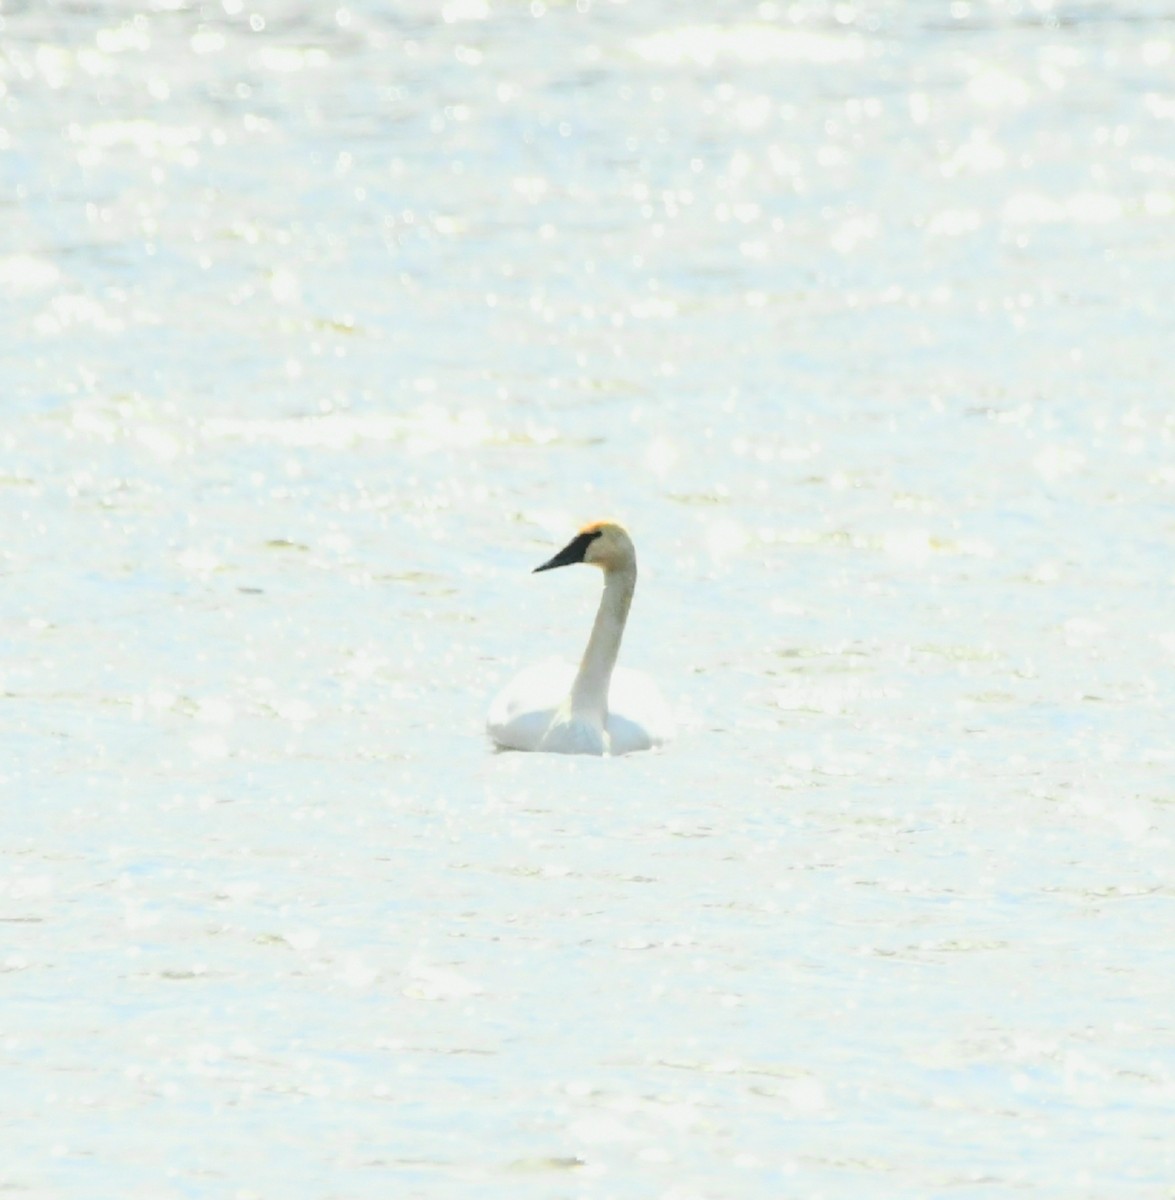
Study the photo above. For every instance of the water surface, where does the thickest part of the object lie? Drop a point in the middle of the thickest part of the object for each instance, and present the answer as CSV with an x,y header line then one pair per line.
x,y
321,326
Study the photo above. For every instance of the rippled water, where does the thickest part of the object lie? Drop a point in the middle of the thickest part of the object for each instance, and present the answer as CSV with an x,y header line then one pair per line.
x,y
321,326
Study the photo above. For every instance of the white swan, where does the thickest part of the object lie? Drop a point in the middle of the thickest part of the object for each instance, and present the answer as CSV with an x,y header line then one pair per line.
x,y
599,708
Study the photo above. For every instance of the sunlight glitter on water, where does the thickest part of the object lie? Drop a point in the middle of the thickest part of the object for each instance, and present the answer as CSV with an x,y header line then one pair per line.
x,y
705,45
322,329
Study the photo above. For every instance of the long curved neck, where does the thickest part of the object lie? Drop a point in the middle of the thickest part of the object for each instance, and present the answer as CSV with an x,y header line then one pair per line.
x,y
589,692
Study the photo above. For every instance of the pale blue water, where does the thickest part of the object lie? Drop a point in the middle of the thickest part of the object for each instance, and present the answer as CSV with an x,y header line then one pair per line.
x,y
320,327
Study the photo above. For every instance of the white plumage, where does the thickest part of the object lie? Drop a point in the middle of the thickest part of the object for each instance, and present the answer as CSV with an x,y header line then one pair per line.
x,y
597,708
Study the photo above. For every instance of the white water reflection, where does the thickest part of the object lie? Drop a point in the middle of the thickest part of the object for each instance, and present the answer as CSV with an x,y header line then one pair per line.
x,y
320,328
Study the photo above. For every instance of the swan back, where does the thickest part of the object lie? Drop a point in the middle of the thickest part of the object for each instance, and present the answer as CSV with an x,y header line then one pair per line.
x,y
532,713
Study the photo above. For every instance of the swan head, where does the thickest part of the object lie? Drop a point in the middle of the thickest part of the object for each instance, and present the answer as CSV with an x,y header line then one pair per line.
x,y
603,544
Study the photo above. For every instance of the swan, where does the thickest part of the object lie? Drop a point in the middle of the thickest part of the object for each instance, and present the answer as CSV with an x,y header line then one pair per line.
x,y
597,708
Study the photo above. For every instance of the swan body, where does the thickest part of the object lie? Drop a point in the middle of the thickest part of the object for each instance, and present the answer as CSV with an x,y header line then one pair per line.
x,y
597,707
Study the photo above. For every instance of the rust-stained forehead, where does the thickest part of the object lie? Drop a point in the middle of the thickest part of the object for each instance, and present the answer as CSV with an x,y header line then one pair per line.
x,y
599,526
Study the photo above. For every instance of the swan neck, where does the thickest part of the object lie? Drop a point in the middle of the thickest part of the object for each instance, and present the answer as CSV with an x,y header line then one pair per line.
x,y
589,692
